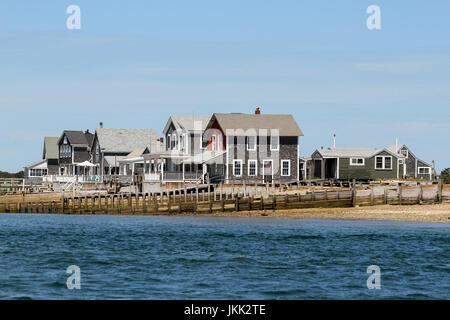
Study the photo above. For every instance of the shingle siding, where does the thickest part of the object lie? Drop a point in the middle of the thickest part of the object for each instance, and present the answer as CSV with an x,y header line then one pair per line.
x,y
288,150
368,171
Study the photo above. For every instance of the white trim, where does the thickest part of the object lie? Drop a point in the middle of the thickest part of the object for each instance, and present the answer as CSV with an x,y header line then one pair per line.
x,y
289,167
383,163
234,167
201,142
418,170
256,168
337,168
278,146
213,143
358,164
248,139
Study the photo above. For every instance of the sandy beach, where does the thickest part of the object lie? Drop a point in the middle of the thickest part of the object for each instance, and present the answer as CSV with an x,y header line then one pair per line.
x,y
418,213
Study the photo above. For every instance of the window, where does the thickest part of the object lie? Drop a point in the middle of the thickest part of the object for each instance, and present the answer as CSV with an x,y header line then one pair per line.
x,y
383,162
404,152
237,168
274,143
174,141
182,141
285,168
214,143
388,162
424,170
357,161
202,145
252,167
38,172
400,161
251,143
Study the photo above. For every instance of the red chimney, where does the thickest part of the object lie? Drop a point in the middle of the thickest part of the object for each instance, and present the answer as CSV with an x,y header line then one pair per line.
x,y
257,110
161,139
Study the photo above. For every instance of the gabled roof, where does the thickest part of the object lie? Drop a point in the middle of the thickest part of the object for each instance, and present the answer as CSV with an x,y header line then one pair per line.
x,y
393,149
352,152
285,123
136,153
77,138
36,163
50,148
187,123
126,140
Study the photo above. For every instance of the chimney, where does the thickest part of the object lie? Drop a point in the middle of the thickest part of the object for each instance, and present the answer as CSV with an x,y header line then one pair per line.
x,y
161,140
101,124
257,110
87,131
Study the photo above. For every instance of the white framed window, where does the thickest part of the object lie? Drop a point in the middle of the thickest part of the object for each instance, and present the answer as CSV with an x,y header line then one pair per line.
x,y
174,142
201,143
285,168
383,162
214,143
182,141
404,152
423,170
357,161
274,143
400,161
38,172
251,143
237,168
252,168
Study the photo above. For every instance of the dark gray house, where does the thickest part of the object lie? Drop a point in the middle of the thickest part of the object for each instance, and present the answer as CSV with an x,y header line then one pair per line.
x,y
74,148
352,163
410,166
255,148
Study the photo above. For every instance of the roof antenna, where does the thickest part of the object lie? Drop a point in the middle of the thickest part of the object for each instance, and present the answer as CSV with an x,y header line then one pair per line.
x,y
334,140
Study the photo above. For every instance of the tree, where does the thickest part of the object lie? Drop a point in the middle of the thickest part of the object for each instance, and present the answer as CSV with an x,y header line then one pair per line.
x,y
445,175
4,174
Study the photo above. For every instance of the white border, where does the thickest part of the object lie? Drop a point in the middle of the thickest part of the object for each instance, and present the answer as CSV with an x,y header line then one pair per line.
x,y
289,167
234,165
256,167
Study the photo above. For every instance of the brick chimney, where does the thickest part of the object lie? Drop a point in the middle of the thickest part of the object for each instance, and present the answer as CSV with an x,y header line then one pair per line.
x,y
161,140
257,110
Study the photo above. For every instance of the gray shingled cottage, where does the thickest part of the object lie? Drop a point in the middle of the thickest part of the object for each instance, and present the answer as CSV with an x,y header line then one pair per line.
x,y
74,148
183,155
353,163
410,166
113,145
255,148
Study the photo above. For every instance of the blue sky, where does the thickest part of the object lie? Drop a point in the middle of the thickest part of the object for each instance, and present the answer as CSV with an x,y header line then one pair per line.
x,y
134,63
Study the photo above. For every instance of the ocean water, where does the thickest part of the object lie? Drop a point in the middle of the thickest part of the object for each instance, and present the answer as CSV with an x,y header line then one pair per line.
x,y
157,257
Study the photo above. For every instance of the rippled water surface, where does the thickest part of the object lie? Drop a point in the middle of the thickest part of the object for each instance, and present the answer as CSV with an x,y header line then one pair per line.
x,y
148,257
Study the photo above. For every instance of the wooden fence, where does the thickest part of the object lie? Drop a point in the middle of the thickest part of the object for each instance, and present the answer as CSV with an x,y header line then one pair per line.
x,y
195,202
